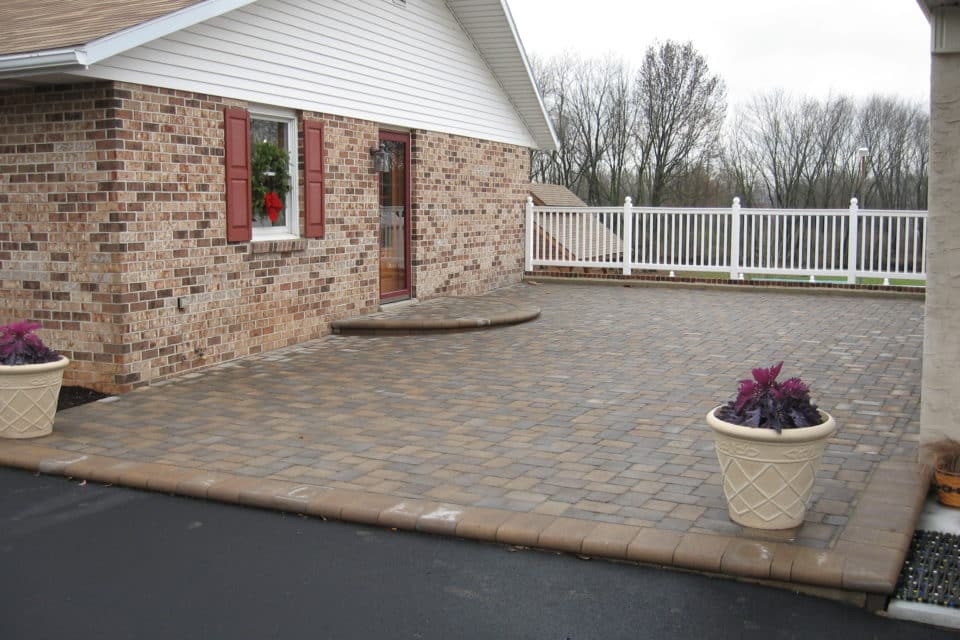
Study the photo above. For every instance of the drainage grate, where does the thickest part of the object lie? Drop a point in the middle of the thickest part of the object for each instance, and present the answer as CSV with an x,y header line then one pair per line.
x,y
931,572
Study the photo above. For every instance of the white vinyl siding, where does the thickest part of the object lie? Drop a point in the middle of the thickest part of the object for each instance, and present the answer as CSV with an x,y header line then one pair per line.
x,y
407,66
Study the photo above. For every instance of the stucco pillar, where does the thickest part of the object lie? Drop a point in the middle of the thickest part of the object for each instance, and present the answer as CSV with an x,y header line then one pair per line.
x,y
940,387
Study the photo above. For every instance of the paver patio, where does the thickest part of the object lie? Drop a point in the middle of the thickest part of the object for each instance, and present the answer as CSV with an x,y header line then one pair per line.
x,y
591,414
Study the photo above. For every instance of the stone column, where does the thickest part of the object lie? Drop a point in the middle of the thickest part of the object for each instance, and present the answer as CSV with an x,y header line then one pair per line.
x,y
940,387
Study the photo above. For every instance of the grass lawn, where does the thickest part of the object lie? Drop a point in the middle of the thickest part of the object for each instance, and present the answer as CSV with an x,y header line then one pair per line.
x,y
723,275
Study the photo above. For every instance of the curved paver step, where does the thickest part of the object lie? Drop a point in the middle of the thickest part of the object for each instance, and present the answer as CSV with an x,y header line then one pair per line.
x,y
442,314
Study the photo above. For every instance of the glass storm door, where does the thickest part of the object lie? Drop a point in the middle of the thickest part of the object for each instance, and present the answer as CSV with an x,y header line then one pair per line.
x,y
394,218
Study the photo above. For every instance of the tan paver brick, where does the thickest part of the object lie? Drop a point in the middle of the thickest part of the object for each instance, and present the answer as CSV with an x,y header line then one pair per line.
x,y
195,484
365,508
869,568
659,505
294,498
138,475
598,476
168,478
523,529
329,504
566,534
481,523
263,493
597,507
782,563
608,540
749,558
521,484
654,545
441,519
109,472
551,508
817,567
687,512
875,537
701,552
404,514
230,487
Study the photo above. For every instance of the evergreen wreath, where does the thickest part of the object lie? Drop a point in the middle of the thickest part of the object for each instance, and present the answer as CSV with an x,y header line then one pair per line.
x,y
271,175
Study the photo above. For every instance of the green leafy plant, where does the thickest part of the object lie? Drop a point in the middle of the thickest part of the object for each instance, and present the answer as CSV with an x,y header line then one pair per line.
x,y
767,403
20,345
271,174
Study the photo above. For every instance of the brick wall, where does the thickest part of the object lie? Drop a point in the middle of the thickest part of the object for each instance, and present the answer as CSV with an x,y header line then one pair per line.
x,y
468,211
58,261
113,209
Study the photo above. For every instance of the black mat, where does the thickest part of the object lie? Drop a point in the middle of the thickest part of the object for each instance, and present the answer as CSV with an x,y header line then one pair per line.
x,y
931,571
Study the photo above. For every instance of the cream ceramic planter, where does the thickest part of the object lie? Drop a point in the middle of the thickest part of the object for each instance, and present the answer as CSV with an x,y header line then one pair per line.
x,y
768,476
28,398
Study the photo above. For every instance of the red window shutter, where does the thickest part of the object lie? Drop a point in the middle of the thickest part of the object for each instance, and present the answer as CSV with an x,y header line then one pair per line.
x,y
313,176
237,156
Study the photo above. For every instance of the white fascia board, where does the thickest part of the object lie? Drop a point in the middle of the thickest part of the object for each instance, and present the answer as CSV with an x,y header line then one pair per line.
x,y
145,32
81,56
526,65
20,63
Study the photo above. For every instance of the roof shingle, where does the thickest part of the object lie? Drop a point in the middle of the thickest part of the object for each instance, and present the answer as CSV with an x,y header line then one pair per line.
x,y
554,195
38,25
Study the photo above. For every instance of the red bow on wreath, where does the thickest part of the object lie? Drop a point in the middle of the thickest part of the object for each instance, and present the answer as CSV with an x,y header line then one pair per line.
x,y
273,204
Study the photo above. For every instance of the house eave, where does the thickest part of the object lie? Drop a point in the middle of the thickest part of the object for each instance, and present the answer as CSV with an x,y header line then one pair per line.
x,y
504,56
85,54
484,22
33,62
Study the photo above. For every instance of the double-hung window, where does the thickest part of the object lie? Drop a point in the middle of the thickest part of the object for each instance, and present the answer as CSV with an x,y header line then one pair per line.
x,y
263,170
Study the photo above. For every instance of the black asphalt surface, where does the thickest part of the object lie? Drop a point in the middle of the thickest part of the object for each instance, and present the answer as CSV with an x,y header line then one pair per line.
x,y
84,561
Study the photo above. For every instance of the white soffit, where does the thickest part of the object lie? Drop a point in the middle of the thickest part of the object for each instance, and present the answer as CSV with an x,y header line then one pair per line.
x,y
490,26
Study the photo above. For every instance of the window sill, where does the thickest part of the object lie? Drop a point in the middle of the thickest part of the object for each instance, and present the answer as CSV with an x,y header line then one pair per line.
x,y
278,245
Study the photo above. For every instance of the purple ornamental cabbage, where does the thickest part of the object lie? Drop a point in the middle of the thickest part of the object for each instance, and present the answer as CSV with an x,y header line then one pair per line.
x,y
763,402
19,345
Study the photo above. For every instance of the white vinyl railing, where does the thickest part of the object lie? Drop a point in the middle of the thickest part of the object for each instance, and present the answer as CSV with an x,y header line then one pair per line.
x,y
849,243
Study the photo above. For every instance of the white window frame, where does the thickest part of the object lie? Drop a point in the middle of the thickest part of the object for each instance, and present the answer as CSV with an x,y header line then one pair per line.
x,y
291,230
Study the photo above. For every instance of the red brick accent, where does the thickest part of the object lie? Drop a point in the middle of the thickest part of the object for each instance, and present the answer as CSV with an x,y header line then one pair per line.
x,y
113,200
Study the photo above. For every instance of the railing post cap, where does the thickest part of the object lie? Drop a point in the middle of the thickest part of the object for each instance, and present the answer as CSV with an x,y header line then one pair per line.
x,y
529,199
736,202
628,200
854,202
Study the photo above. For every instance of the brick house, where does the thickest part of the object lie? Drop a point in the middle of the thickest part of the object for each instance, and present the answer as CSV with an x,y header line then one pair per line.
x,y
183,183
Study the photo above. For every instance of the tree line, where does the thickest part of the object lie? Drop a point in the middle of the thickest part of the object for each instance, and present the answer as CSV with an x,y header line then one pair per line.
x,y
661,134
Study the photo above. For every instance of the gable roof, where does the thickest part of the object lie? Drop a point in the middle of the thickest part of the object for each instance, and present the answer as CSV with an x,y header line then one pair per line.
x,y
35,25
49,36
554,195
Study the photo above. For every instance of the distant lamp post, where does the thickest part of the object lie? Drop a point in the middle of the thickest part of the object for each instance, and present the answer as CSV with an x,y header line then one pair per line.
x,y
863,153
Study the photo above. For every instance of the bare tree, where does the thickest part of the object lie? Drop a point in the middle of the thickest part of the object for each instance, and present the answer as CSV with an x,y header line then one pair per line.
x,y
621,122
830,175
740,171
682,109
556,81
590,108
782,146
894,131
657,134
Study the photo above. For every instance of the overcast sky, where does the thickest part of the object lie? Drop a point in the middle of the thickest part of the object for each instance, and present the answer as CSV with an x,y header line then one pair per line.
x,y
808,47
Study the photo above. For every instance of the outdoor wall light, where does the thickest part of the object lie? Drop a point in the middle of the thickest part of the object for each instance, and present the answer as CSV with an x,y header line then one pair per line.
x,y
381,158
